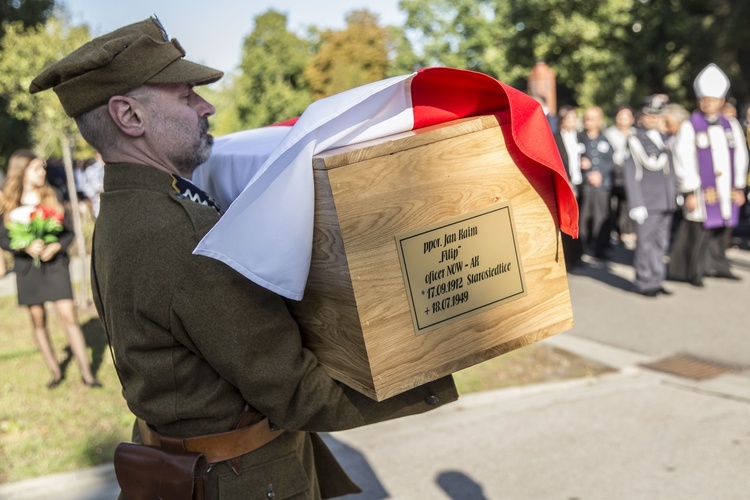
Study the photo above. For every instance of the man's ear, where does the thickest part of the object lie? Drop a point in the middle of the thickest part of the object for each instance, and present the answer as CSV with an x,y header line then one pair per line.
x,y
127,113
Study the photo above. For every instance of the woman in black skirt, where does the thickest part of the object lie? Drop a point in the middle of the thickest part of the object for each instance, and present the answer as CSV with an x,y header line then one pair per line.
x,y
42,268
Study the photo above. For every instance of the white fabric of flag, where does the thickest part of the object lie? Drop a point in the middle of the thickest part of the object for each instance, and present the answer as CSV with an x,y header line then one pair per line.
x,y
266,233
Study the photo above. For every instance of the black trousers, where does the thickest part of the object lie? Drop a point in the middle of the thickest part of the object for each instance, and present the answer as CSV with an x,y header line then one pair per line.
x,y
595,221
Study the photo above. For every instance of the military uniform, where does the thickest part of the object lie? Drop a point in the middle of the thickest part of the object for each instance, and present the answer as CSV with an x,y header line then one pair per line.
x,y
194,341
650,183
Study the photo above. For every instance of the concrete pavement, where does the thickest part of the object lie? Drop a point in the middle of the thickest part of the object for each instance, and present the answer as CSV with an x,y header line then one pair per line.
x,y
635,433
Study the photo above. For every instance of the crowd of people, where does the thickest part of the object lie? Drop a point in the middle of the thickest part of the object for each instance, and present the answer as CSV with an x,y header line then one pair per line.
x,y
660,181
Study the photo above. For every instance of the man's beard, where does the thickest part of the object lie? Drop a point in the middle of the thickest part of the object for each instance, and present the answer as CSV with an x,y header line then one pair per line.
x,y
197,154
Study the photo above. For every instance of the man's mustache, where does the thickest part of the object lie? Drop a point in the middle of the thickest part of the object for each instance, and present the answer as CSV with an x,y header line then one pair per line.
x,y
204,131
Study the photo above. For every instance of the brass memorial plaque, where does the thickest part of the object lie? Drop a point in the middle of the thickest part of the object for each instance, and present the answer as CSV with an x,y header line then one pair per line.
x,y
461,266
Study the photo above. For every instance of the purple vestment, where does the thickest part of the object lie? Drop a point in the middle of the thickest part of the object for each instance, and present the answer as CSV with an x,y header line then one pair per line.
x,y
707,173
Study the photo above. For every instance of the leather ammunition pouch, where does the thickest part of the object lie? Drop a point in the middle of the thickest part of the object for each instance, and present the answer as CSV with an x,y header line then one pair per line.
x,y
169,467
149,472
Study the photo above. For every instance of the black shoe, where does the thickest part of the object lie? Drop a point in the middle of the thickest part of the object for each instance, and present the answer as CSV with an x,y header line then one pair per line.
x,y
664,291
648,293
94,384
54,382
729,275
697,282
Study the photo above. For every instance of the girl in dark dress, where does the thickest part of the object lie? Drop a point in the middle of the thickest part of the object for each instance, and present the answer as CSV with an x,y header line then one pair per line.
x,y
42,269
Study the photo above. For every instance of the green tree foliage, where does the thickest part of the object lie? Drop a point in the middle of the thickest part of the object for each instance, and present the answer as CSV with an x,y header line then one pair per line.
x,y
583,41
465,34
401,57
351,57
25,53
672,41
604,52
13,132
271,86
29,12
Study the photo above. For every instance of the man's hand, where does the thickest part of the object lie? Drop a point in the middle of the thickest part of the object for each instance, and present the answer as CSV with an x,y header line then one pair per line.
x,y
738,197
585,163
691,202
594,178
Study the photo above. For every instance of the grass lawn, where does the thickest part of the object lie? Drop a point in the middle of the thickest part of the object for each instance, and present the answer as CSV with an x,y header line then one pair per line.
x,y
46,431
71,427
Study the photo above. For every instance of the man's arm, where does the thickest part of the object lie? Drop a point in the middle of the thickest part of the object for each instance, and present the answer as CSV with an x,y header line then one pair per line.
x,y
259,350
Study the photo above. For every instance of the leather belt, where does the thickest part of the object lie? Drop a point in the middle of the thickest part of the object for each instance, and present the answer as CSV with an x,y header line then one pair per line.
x,y
217,447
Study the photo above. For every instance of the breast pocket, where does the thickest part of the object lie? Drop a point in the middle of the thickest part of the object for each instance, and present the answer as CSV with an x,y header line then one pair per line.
x,y
283,478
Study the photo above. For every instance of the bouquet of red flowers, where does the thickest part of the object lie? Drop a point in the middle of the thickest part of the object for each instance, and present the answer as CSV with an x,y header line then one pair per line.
x,y
27,224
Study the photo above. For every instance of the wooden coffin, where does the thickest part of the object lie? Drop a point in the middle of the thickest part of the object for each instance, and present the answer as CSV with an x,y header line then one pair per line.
x,y
432,252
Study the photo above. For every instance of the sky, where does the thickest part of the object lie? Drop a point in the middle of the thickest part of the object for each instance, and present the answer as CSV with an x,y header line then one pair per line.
x,y
212,31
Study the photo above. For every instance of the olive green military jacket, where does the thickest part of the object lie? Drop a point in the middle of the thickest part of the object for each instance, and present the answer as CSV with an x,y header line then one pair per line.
x,y
194,341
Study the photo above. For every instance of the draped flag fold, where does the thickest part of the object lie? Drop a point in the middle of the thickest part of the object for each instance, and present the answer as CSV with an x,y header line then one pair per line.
x,y
265,175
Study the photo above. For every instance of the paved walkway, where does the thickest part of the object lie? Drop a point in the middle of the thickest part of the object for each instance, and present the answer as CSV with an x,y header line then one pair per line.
x,y
636,433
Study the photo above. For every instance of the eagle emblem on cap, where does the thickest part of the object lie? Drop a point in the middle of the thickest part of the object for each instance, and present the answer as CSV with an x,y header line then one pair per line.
x,y
161,27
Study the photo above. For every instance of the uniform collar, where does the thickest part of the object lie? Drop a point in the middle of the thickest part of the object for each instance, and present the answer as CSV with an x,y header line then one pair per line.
x,y
118,176
121,176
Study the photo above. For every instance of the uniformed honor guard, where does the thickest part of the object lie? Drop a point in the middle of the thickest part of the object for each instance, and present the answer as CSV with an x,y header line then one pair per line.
x,y
650,189
211,364
710,160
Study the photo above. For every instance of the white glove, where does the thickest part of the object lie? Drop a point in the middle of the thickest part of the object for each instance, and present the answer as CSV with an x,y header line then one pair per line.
x,y
638,214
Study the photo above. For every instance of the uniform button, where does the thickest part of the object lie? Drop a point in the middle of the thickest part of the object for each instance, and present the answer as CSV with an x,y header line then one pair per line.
x,y
595,161
432,400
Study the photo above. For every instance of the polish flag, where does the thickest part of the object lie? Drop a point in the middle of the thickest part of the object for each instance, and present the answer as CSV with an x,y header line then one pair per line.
x,y
265,175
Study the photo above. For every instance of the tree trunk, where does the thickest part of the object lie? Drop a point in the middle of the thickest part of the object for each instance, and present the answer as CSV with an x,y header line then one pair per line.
x,y
80,241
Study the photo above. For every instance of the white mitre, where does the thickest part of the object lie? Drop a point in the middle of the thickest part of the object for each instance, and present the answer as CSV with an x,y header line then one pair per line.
x,y
711,82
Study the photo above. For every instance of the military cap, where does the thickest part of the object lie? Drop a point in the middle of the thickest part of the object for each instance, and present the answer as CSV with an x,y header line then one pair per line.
x,y
654,104
118,62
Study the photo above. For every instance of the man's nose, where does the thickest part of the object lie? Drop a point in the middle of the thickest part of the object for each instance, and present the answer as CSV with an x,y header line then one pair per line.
x,y
203,107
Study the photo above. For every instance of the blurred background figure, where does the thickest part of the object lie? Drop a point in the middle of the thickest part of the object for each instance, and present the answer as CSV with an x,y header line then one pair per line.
x,y
745,122
597,165
551,118
729,110
618,135
570,151
710,160
93,184
673,115
41,268
650,188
